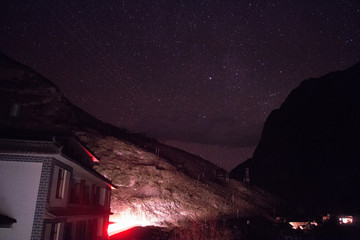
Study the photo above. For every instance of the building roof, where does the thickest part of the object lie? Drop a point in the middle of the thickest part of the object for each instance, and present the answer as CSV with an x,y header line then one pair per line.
x,y
26,146
64,145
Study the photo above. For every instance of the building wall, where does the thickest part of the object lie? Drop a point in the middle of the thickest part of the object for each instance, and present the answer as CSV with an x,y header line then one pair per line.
x,y
33,179
90,226
19,185
42,199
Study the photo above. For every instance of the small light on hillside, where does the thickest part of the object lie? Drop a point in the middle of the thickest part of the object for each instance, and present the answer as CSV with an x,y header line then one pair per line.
x,y
346,220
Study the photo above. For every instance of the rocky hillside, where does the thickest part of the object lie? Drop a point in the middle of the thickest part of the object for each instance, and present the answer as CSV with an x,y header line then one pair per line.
x,y
157,184
309,151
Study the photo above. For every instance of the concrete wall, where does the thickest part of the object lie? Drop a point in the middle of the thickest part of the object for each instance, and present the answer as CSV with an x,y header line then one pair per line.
x,y
19,185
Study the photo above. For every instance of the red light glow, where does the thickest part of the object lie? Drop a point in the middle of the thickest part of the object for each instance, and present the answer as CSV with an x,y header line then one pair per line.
x,y
93,158
111,186
126,220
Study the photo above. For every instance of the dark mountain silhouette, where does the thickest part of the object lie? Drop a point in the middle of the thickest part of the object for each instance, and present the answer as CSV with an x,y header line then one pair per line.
x,y
309,152
157,184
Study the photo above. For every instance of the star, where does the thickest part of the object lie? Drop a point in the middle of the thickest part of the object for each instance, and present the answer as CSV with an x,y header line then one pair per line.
x,y
155,65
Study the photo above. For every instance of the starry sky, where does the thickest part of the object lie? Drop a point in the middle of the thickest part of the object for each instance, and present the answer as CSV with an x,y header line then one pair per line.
x,y
199,75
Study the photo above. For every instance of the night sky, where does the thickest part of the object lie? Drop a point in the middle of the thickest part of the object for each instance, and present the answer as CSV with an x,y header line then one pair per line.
x,y
201,75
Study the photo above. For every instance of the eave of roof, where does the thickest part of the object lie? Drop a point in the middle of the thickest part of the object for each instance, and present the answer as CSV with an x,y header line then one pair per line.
x,y
92,171
48,145
27,146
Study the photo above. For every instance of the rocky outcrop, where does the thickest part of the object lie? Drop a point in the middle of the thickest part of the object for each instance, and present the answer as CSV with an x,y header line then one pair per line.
x,y
157,184
309,152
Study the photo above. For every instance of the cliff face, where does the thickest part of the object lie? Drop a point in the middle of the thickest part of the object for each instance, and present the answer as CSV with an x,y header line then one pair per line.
x,y
158,184
309,152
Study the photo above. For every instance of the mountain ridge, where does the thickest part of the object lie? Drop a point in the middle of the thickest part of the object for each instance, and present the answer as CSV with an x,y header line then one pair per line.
x,y
309,146
159,184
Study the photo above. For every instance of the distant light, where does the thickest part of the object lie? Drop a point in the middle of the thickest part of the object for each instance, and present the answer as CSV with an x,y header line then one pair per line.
x,y
303,225
326,218
346,220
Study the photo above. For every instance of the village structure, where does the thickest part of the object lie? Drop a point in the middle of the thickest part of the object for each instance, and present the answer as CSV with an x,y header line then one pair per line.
x,y
49,190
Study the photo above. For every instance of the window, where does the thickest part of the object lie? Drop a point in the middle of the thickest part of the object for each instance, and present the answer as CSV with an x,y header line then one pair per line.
x,y
86,199
92,230
81,231
107,198
60,187
54,232
68,231
95,195
74,192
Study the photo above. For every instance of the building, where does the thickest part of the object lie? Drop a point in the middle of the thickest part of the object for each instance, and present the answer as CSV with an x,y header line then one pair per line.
x,y
48,190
